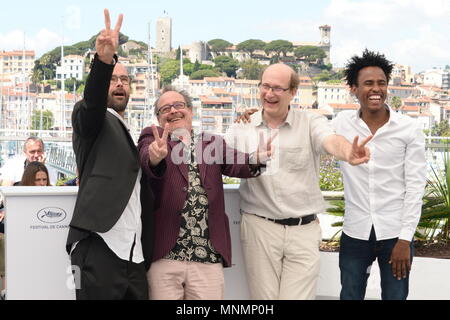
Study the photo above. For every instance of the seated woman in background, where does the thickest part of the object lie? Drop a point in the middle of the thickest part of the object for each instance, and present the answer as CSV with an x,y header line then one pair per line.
x,y
35,174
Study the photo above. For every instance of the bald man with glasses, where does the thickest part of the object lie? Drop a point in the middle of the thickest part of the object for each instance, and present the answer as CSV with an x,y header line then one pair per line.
x,y
280,232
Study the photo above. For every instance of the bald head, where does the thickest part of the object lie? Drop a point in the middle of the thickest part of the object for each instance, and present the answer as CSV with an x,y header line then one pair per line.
x,y
285,71
278,87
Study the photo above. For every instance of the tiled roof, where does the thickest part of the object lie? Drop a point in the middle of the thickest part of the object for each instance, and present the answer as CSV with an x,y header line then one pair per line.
x,y
344,106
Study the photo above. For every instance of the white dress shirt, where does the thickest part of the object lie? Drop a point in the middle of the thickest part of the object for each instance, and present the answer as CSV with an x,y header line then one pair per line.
x,y
387,191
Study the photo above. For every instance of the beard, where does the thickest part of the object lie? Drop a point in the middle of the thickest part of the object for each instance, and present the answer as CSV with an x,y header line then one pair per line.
x,y
118,105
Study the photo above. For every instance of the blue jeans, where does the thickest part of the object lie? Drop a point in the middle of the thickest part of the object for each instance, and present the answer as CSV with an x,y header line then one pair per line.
x,y
356,256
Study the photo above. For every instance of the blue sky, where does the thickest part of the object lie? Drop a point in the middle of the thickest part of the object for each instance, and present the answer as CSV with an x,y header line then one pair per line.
x,y
411,32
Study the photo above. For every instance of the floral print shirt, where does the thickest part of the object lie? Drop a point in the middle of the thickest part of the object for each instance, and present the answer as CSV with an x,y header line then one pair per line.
x,y
193,243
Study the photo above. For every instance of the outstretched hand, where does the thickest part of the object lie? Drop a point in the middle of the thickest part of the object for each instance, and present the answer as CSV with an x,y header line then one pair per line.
x,y
108,40
359,153
157,150
245,118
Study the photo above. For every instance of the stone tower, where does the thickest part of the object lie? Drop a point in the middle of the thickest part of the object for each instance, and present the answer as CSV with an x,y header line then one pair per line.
x,y
164,35
325,41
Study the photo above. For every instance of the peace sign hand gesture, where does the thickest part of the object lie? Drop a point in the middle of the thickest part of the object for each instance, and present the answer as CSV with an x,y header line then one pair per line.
x,y
108,40
265,149
157,150
359,152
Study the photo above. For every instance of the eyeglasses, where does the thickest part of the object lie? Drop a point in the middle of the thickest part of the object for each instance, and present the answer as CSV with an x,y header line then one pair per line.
x,y
277,90
123,79
166,108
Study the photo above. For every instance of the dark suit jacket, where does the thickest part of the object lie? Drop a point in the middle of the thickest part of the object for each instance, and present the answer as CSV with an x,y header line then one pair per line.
x,y
169,182
107,161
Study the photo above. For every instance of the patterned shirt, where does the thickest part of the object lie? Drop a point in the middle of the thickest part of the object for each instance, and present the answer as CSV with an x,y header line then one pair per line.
x,y
193,243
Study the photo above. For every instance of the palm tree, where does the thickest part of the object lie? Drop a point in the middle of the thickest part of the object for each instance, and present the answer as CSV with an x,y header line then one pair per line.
x,y
434,221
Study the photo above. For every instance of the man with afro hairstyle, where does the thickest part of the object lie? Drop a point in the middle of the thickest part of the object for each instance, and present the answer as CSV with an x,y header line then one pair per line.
x,y
383,198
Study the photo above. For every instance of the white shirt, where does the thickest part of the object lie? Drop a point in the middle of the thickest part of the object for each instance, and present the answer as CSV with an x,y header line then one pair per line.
x,y
387,191
289,187
128,228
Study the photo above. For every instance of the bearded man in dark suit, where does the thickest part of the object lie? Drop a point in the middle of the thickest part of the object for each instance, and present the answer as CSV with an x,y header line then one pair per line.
x,y
105,232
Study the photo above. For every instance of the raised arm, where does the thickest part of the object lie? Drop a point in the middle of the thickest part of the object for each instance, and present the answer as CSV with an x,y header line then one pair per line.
x,y
354,154
108,40
89,113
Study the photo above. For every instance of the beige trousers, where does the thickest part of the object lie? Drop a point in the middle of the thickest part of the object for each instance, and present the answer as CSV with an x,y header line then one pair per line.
x,y
183,280
282,262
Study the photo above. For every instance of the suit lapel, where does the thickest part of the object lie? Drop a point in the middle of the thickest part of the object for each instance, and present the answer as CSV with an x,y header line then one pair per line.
x,y
183,167
202,166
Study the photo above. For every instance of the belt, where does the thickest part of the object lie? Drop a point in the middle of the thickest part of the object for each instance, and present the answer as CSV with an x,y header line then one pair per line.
x,y
292,221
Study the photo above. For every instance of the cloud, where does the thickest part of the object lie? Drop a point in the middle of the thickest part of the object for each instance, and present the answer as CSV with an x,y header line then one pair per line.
x,y
412,32
41,42
369,14
375,14
428,45
345,50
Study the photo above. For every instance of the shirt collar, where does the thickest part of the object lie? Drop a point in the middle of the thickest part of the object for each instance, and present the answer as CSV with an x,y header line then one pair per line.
x,y
393,115
259,119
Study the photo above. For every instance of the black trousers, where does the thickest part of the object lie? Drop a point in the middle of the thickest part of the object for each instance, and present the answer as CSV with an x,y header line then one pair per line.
x,y
101,275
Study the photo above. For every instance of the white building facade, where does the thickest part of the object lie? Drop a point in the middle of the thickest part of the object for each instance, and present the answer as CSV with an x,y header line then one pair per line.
x,y
72,68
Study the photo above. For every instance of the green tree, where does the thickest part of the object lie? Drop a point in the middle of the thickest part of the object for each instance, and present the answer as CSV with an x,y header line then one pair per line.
x,y
80,89
169,70
200,74
442,129
434,222
279,47
333,81
219,45
227,65
310,54
196,66
178,53
338,75
205,67
42,120
396,103
188,68
323,76
136,52
69,84
251,69
251,46
46,65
